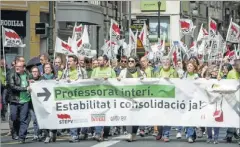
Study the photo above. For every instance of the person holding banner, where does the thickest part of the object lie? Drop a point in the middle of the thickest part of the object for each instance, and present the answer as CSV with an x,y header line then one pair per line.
x,y
58,66
72,73
105,72
148,70
212,73
226,69
49,74
89,67
132,72
191,73
166,71
20,98
82,68
36,75
122,65
234,74
94,64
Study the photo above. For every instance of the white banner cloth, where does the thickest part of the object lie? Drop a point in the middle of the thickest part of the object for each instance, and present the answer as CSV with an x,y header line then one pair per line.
x,y
172,102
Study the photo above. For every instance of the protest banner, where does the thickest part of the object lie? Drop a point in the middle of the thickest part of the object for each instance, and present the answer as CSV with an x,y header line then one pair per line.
x,y
154,101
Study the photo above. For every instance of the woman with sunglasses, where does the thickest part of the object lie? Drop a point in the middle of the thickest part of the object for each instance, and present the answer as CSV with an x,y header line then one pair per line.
x,y
132,71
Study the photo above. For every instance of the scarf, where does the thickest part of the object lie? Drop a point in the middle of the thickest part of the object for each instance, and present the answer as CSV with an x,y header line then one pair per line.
x,y
131,71
48,77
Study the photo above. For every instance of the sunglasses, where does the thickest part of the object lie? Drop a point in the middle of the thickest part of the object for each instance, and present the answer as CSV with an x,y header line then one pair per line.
x,y
132,61
123,61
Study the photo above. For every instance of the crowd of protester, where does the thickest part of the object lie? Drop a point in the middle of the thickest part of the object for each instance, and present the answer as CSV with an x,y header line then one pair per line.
x,y
15,92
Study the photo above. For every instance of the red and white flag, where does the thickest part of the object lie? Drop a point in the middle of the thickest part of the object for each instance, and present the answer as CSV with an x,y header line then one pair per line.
x,y
63,47
77,31
222,44
186,27
203,34
11,39
114,31
83,42
132,42
212,25
233,34
143,35
69,40
161,44
106,48
193,46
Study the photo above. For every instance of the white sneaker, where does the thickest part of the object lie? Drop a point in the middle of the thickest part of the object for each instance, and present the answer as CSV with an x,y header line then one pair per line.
x,y
47,140
190,140
179,135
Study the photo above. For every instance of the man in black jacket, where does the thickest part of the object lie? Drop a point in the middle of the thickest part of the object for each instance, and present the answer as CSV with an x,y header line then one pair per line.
x,y
8,97
20,98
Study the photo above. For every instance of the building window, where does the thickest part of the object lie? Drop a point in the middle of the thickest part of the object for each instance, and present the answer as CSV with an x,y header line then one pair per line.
x,y
164,29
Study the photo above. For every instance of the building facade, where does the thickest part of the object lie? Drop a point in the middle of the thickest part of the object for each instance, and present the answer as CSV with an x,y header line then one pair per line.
x,y
172,11
169,18
95,14
21,16
200,12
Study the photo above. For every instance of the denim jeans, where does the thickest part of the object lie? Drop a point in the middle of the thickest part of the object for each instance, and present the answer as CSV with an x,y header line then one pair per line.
x,y
166,131
35,124
179,129
74,131
99,129
216,133
22,110
190,132
4,102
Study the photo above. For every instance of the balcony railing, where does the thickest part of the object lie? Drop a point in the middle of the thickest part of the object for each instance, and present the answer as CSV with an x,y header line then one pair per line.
x,y
90,2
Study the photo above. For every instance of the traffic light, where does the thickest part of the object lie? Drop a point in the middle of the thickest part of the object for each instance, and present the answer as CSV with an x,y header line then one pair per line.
x,y
41,28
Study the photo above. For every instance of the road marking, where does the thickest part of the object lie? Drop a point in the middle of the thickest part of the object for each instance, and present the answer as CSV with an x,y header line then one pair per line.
x,y
120,137
111,142
8,143
106,143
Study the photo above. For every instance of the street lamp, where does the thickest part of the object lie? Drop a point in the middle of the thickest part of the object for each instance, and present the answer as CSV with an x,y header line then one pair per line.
x,y
159,28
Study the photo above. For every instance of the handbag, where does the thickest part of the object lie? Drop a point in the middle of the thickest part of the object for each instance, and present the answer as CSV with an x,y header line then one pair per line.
x,y
218,114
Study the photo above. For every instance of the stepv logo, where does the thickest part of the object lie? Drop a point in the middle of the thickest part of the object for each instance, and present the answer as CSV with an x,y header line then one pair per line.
x,y
98,117
64,119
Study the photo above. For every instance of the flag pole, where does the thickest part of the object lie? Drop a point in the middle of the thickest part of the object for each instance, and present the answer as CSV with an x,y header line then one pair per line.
x,y
111,38
136,40
4,57
229,28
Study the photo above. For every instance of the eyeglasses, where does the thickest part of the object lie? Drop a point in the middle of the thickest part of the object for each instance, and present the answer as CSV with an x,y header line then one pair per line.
x,y
124,61
132,61
34,71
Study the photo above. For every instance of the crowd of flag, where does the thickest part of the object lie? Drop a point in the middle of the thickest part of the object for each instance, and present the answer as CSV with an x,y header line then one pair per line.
x,y
208,45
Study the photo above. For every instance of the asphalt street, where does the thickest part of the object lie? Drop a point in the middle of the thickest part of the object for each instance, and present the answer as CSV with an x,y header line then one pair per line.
x,y
119,141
